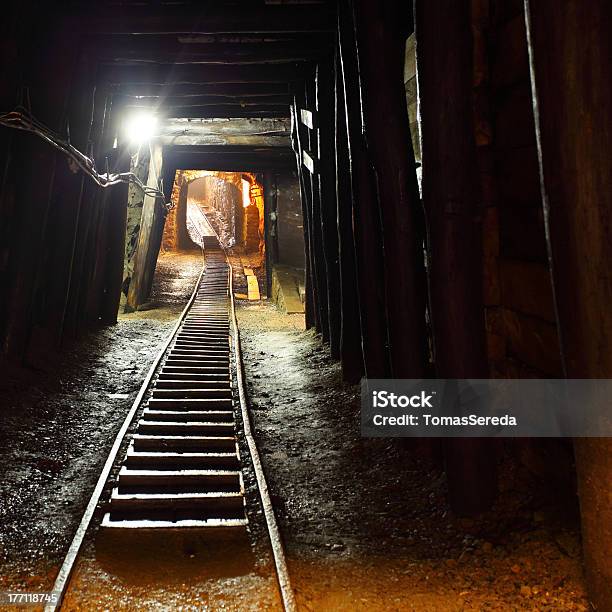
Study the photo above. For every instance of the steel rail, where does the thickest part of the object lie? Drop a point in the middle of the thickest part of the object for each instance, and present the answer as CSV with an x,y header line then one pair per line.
x,y
65,572
280,561
287,595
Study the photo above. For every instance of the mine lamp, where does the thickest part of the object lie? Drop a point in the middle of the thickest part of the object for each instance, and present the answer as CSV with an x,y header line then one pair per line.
x,y
140,127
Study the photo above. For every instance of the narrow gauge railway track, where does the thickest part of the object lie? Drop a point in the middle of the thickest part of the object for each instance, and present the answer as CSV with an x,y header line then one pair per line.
x,y
182,468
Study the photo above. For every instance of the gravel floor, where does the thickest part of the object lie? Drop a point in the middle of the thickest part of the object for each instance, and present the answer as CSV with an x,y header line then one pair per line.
x,y
59,421
366,525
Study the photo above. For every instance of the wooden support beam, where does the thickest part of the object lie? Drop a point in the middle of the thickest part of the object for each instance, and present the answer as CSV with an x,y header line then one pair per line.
x,y
191,74
320,270
183,240
327,189
116,220
236,90
149,237
311,306
83,310
224,111
452,202
62,273
10,70
230,162
132,50
28,206
211,19
281,154
351,352
367,229
569,48
381,31
246,101
270,226
108,235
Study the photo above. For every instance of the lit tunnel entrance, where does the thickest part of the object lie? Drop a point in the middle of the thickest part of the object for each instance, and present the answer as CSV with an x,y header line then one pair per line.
x,y
209,204
230,202
246,194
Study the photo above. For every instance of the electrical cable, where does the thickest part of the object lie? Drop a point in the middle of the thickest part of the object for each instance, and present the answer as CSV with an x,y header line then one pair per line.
x,y
22,119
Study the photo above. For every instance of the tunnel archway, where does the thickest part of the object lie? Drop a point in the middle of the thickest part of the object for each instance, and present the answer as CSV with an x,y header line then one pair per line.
x,y
232,202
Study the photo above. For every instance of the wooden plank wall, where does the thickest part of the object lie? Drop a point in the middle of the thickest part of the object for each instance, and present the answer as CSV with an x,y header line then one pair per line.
x,y
60,254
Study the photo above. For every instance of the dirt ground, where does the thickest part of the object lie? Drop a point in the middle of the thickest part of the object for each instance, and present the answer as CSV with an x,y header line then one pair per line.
x,y
366,525
60,418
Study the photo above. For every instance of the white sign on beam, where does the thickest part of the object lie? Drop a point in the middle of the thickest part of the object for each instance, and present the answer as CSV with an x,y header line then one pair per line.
x,y
309,162
308,118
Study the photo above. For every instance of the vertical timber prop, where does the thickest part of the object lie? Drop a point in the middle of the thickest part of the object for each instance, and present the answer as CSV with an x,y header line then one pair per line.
x,y
83,109
11,33
367,228
351,352
572,85
139,165
311,161
270,226
107,156
183,241
84,310
48,70
54,278
382,29
149,237
110,238
327,194
452,205
117,222
311,308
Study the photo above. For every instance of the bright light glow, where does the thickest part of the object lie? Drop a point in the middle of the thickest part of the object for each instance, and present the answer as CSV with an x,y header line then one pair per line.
x,y
246,193
141,128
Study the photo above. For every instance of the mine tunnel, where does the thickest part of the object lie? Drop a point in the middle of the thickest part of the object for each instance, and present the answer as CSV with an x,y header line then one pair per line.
x,y
246,247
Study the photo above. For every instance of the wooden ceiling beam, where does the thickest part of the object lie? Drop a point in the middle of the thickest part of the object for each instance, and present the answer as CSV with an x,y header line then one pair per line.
x,y
223,158
187,101
232,149
135,50
207,19
189,74
225,111
222,90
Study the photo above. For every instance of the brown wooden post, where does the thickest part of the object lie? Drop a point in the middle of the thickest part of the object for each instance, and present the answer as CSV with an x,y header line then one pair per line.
x,y
452,203
312,309
149,238
570,49
310,146
115,253
351,351
94,298
11,33
183,241
270,226
327,193
382,29
367,228
76,310
69,190
48,71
